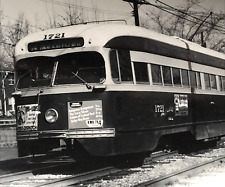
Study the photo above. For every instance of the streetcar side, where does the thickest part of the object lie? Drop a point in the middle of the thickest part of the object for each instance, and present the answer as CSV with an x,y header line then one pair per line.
x,y
174,97
161,98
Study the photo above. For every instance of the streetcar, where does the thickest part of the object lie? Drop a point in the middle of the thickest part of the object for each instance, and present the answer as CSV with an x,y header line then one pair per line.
x,y
106,90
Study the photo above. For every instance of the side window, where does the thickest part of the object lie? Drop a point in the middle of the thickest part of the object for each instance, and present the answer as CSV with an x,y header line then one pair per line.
x,y
222,83
121,66
176,76
193,79
185,77
213,81
167,75
156,74
114,67
207,80
141,72
125,65
199,84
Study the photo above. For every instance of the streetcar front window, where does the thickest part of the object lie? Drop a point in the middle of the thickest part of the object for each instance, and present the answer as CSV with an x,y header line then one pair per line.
x,y
34,72
80,68
74,68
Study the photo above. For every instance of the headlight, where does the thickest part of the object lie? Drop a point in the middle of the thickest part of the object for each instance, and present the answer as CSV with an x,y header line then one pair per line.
x,y
51,115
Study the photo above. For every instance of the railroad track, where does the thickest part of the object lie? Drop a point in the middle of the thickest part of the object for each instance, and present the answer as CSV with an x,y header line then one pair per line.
x,y
81,177
161,180
76,179
175,176
29,162
29,178
17,178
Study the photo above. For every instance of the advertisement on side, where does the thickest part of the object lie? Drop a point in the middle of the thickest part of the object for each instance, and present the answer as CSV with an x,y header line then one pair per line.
x,y
27,117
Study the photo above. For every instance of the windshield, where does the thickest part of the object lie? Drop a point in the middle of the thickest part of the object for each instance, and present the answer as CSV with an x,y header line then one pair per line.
x,y
75,68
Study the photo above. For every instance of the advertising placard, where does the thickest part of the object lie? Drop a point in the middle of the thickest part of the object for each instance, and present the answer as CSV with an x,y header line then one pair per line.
x,y
27,117
85,114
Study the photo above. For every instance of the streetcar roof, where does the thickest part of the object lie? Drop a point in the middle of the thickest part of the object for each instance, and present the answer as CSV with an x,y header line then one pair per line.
x,y
98,35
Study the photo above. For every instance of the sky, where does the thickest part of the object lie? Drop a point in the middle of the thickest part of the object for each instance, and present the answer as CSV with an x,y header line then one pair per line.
x,y
39,11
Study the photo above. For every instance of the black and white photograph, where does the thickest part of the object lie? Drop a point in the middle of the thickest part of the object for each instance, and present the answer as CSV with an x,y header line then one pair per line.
x,y
112,93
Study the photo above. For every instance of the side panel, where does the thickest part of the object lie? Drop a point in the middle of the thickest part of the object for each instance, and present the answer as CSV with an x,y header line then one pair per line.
x,y
139,118
208,116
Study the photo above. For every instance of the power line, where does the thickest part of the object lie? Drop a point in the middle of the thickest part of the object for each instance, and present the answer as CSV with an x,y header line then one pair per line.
x,y
85,8
66,4
167,8
18,20
192,36
187,19
167,11
178,10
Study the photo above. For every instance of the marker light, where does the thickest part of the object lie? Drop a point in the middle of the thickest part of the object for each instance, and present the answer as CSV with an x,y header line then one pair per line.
x,y
51,115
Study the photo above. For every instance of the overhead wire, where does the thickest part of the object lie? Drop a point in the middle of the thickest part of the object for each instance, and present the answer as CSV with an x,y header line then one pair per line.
x,y
178,10
6,16
84,7
78,6
187,19
167,9
95,10
173,14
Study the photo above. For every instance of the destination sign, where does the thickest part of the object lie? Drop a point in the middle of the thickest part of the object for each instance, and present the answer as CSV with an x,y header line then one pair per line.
x,y
55,44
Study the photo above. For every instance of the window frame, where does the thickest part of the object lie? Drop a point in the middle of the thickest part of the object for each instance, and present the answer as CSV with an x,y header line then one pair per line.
x,y
208,85
170,74
160,71
213,83
134,63
188,79
119,69
180,83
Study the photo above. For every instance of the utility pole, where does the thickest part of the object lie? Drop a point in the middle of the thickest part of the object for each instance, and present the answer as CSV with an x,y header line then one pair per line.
x,y
135,7
136,16
4,108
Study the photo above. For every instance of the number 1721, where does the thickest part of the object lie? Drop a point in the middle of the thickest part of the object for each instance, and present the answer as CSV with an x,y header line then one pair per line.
x,y
54,36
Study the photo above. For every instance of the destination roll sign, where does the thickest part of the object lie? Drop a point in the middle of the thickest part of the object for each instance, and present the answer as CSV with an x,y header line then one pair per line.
x,y
55,44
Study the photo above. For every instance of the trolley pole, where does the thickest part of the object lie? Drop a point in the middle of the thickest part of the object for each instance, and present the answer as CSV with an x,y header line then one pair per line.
x,y
135,7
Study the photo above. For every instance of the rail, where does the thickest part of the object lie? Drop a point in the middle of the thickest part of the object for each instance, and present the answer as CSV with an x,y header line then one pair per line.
x,y
174,176
76,179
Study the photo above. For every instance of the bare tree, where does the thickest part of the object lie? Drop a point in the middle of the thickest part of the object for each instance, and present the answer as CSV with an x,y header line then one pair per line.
x,y
14,33
185,22
4,65
71,15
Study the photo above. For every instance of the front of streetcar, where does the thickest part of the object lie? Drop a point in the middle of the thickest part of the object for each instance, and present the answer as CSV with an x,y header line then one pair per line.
x,y
60,92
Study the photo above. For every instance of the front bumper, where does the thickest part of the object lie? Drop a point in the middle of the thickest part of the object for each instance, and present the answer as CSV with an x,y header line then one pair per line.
x,y
67,134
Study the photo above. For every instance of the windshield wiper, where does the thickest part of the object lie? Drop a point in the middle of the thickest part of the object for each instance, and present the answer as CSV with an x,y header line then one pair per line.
x,y
82,80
